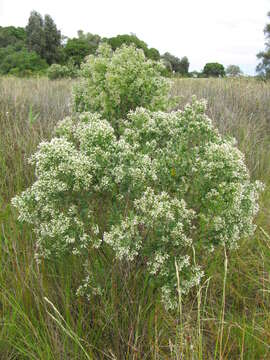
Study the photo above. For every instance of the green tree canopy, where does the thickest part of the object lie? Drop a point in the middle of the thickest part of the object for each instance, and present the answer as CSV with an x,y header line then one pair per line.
x,y
184,65
52,40
14,57
76,49
214,70
153,54
92,39
35,38
20,62
12,35
43,37
117,41
175,64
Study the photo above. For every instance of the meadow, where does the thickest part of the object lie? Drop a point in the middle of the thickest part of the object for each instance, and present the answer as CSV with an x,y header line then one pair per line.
x,y
41,317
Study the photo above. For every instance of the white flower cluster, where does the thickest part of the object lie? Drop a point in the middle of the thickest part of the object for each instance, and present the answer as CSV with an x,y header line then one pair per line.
x,y
167,186
155,188
114,83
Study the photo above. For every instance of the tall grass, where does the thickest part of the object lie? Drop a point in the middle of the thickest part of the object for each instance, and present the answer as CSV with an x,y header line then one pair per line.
x,y
238,107
227,317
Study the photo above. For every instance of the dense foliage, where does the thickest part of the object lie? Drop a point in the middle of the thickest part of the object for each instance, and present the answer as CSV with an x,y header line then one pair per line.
x,y
41,37
30,50
119,40
150,189
76,49
52,41
173,63
20,63
113,83
12,36
214,70
35,39
14,57
56,71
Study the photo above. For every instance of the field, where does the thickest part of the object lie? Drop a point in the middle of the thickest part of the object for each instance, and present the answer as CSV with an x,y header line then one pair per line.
x,y
228,317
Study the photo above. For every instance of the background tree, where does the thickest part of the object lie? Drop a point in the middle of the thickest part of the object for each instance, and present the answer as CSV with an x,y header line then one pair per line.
x,y
167,64
93,40
184,66
214,70
233,70
12,36
153,54
21,62
77,49
14,57
117,41
43,37
52,41
171,61
35,38
177,65
263,67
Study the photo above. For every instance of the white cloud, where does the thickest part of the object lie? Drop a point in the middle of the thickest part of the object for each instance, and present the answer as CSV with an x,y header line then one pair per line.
x,y
228,31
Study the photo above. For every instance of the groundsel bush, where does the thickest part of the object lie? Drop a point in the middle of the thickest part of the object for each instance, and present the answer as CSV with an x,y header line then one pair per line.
x,y
113,83
161,190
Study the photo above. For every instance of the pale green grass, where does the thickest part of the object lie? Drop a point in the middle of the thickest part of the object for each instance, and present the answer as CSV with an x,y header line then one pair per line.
x,y
227,317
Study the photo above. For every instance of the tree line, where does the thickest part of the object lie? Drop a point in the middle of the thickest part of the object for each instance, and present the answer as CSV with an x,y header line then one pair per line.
x,y
30,50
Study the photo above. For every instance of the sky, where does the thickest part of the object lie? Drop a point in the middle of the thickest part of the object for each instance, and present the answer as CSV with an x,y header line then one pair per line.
x,y
225,31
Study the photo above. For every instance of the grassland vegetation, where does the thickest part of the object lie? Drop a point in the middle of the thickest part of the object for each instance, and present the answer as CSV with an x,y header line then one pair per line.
x,y
43,313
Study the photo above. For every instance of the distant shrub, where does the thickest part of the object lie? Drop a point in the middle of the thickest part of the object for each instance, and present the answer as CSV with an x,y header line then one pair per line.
x,y
56,71
178,66
21,62
116,82
195,74
170,189
233,71
131,39
127,39
214,70
153,54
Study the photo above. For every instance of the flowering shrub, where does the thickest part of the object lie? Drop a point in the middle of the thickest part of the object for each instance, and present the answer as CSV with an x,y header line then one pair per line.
x,y
116,82
159,190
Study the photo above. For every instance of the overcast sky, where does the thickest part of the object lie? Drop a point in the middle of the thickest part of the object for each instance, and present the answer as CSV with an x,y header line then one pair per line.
x,y
226,31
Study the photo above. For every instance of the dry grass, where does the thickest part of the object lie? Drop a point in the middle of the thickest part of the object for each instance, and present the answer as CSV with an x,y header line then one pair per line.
x,y
226,318
238,107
